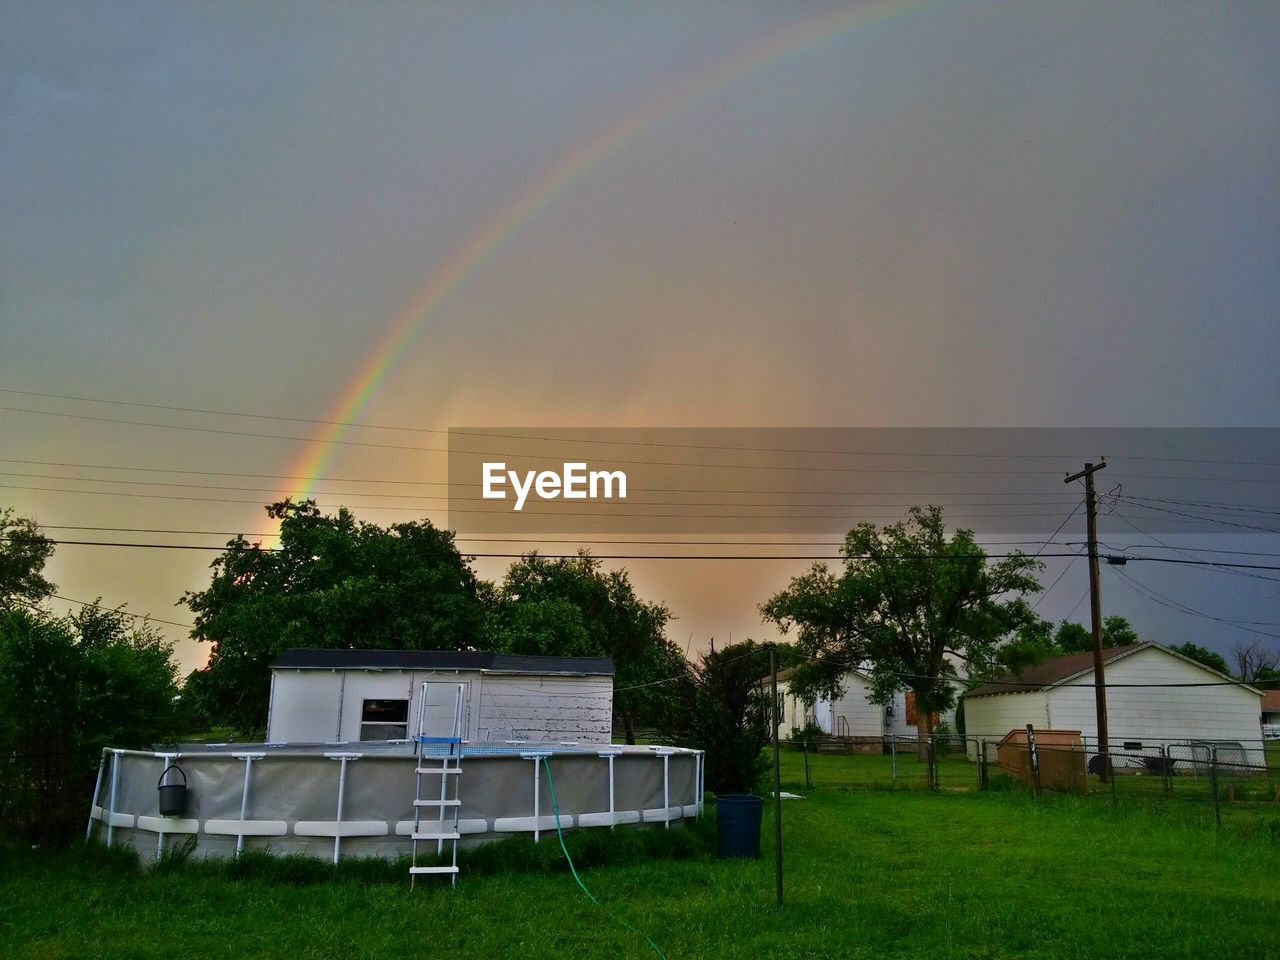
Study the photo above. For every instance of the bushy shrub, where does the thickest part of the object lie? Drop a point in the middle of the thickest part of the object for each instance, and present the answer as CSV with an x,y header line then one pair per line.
x,y
69,687
724,710
806,736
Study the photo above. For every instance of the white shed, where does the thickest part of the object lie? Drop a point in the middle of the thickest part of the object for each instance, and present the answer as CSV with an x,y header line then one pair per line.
x,y
1153,694
340,696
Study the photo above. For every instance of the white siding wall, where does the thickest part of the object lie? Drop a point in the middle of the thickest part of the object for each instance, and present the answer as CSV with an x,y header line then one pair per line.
x,y
319,706
862,718
992,717
1151,713
1134,713
304,706
546,708
853,714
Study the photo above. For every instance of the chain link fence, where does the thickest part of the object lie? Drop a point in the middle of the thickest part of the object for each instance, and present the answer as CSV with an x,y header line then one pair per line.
x,y
1230,782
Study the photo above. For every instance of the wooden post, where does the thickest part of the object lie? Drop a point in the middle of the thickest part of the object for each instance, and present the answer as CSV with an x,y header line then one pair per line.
x,y
1095,614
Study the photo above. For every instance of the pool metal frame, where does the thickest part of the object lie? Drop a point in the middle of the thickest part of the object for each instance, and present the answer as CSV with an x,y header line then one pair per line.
x,y
341,827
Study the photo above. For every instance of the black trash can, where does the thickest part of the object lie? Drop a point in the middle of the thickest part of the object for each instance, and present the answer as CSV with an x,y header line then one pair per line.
x,y
738,825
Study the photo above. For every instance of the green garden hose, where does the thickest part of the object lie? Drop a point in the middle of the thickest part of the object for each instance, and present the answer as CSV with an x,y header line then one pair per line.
x,y
551,787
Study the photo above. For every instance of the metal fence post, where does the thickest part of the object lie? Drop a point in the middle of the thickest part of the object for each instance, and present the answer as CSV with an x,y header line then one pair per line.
x,y
808,782
893,752
1165,764
1213,785
1035,759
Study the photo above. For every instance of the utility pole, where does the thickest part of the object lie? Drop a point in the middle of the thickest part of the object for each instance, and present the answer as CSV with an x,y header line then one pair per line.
x,y
777,771
1095,613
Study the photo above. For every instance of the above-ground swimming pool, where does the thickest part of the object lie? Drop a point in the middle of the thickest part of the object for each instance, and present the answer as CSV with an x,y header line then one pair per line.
x,y
357,799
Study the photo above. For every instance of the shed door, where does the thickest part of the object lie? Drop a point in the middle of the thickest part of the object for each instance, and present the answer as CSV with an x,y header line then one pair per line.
x,y
442,697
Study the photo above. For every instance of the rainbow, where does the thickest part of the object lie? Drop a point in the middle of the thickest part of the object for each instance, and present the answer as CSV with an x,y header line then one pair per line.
x,y
490,236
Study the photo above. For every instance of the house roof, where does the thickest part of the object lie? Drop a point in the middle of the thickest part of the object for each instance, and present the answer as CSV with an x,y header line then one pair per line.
x,y
1054,670
301,658
1271,701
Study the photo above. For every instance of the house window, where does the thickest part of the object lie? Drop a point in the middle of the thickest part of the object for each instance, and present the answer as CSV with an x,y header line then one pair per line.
x,y
384,720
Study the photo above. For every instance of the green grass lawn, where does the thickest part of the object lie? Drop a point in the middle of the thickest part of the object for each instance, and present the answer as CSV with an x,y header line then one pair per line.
x,y
880,873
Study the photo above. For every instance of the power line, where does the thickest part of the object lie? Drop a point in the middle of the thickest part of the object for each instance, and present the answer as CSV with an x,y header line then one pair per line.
x,y
1160,543
1210,504
532,513
1177,605
576,440
669,542
116,610
445,483
739,556
551,540
1218,521
451,499
656,463
1046,592
549,556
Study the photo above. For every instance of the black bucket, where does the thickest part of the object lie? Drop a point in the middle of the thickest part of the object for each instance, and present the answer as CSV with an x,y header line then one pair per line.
x,y
738,825
173,796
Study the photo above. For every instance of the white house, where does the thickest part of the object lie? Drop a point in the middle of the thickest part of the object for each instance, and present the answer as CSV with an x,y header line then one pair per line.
x,y
332,696
1153,694
853,714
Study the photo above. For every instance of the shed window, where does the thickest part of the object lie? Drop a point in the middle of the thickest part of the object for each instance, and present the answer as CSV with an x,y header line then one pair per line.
x,y
384,720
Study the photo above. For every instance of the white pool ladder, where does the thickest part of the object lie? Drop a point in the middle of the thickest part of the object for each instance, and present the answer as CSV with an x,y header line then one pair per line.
x,y
449,769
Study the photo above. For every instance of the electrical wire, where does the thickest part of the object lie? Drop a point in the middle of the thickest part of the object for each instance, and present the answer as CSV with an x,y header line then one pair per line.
x,y
468,484
446,498
613,461
630,443
754,556
116,610
533,513
1181,607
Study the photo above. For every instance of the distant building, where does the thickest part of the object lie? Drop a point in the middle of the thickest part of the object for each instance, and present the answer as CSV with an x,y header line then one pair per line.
x,y
1153,694
1271,714
853,714
330,696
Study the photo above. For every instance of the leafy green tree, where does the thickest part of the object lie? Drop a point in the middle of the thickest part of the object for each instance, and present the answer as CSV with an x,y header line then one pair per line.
x,y
908,602
1203,655
722,707
69,687
1072,637
24,550
572,606
334,582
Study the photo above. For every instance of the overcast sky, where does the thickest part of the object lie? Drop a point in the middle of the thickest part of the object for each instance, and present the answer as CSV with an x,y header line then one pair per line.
x,y
944,214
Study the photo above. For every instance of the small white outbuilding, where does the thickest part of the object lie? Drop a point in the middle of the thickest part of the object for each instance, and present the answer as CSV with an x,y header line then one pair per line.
x,y
342,696
1153,694
852,714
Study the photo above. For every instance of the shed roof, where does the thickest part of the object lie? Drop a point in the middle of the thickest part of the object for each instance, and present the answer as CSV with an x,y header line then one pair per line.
x,y
1053,670
1056,670
300,658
